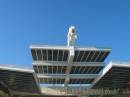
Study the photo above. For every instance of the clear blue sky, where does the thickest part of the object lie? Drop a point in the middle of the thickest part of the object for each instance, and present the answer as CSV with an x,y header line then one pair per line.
x,y
100,23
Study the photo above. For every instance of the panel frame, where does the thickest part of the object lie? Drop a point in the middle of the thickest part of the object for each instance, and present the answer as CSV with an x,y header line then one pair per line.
x,y
21,70
108,68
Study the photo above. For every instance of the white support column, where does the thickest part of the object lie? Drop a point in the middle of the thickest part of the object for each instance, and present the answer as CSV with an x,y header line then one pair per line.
x,y
69,66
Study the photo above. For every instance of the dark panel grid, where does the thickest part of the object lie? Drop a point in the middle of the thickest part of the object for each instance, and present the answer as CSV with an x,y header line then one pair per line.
x,y
19,81
86,69
90,56
115,78
50,69
81,81
51,81
49,55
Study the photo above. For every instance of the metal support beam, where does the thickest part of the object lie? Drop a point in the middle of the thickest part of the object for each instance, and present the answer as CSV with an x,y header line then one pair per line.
x,y
49,63
106,69
5,90
69,66
62,76
59,76
49,47
4,87
39,63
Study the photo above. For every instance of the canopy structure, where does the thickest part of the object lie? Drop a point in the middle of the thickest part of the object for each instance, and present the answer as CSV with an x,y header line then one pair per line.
x,y
19,79
68,65
116,75
66,70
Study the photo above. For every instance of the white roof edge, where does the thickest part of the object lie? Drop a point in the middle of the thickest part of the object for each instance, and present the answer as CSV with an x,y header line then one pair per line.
x,y
94,48
49,47
75,76
120,64
67,47
16,68
56,63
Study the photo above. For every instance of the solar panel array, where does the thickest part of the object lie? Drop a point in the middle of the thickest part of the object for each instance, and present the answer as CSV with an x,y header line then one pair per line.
x,y
81,81
116,77
86,69
61,54
49,55
50,69
21,81
62,69
90,56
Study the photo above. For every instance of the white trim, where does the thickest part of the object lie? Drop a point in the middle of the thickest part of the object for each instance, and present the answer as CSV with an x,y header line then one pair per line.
x,y
51,63
69,65
63,76
49,47
67,48
106,69
121,64
92,48
60,76
16,68
55,63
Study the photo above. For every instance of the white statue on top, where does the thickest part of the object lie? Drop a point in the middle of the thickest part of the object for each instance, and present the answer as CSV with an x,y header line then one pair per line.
x,y
72,35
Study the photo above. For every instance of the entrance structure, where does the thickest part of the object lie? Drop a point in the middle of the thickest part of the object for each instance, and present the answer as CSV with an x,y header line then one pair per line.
x,y
64,67
66,71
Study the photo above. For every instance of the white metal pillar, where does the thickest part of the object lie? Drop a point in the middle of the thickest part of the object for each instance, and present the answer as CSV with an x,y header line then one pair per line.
x,y
69,65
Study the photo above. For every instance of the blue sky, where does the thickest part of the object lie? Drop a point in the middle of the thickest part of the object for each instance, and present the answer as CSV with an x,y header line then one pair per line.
x,y
100,23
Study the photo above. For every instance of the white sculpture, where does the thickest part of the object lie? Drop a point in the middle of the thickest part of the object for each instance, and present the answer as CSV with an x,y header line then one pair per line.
x,y
72,35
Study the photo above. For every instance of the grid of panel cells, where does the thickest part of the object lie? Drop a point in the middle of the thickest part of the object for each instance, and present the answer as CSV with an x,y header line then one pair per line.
x,y
51,80
49,55
90,56
19,81
115,78
86,69
50,69
81,81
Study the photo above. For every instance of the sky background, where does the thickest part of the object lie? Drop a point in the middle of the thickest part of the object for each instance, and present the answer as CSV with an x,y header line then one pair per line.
x,y
99,23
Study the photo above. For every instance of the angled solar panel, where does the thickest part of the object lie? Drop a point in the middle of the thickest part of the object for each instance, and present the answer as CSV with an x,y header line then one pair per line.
x,y
86,69
51,80
91,54
81,81
49,53
61,53
50,69
19,79
116,75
